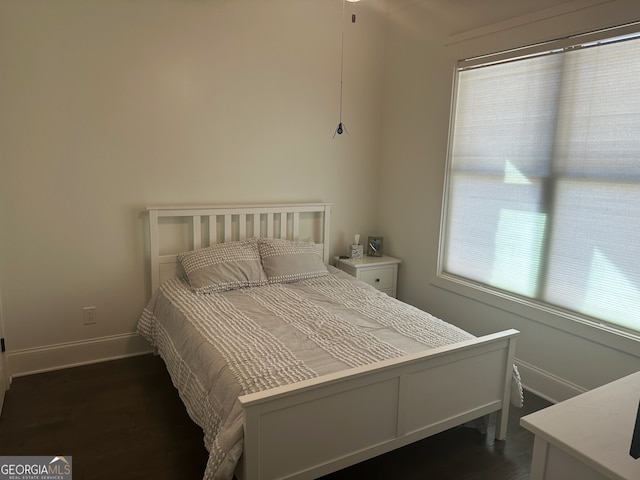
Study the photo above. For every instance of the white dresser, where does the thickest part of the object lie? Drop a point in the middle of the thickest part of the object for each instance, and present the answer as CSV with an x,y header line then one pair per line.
x,y
379,272
587,437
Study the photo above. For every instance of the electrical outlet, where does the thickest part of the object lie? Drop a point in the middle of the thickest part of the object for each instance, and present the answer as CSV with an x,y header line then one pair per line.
x,y
89,315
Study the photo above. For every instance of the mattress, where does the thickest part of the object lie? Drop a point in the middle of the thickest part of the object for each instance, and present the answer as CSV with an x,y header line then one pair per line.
x,y
220,346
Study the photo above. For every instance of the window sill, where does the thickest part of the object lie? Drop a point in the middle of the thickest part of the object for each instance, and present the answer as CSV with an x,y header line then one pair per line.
x,y
604,334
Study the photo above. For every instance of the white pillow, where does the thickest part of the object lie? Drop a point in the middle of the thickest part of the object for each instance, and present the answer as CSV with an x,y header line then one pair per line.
x,y
287,261
224,266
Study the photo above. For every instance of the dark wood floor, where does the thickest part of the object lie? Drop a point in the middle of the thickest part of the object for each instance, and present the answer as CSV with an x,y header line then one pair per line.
x,y
123,419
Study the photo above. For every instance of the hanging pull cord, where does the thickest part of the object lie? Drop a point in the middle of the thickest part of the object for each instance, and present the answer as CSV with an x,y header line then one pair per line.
x,y
340,129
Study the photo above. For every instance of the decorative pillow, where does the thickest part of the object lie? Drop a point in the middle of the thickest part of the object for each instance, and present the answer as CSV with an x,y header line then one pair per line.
x,y
289,261
224,266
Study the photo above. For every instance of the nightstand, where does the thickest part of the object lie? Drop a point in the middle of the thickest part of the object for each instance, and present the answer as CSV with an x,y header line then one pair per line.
x,y
379,272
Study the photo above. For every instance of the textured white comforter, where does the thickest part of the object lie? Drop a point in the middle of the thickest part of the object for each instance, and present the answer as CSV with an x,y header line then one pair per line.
x,y
220,346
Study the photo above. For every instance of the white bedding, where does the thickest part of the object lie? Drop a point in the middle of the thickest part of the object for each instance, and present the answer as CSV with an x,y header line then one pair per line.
x,y
220,346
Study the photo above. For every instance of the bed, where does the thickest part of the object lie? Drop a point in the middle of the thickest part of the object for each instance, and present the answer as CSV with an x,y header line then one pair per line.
x,y
292,368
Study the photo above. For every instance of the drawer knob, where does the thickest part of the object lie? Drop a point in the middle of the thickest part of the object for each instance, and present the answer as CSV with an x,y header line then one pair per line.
x,y
377,279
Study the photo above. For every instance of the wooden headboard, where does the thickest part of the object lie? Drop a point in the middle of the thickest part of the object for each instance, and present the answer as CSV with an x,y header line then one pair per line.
x,y
202,226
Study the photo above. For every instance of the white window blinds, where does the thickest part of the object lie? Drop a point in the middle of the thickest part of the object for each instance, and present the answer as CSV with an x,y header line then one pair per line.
x,y
543,196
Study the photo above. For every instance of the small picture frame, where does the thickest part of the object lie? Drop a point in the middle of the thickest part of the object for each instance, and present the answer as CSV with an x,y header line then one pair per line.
x,y
374,247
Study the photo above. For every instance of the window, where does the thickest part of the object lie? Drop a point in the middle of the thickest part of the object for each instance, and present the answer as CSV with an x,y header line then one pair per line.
x,y
543,185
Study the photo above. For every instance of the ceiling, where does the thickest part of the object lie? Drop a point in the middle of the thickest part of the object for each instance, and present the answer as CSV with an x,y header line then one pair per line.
x,y
454,17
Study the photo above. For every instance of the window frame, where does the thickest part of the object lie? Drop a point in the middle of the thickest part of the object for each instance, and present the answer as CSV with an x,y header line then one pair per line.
x,y
591,328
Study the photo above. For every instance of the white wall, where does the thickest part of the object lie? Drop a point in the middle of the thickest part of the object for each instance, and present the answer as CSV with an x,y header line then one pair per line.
x,y
108,106
554,362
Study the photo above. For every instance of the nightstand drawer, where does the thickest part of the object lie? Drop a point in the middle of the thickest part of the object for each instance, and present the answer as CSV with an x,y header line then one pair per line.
x,y
380,278
379,272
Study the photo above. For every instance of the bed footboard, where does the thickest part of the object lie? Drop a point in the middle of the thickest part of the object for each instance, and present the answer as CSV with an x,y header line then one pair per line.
x,y
319,426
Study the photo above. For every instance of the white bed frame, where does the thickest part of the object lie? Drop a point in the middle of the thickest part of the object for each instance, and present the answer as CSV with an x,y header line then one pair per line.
x,y
315,427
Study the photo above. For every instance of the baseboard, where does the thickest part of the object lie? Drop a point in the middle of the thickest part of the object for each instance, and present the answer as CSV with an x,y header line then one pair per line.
x,y
72,354
55,357
546,385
